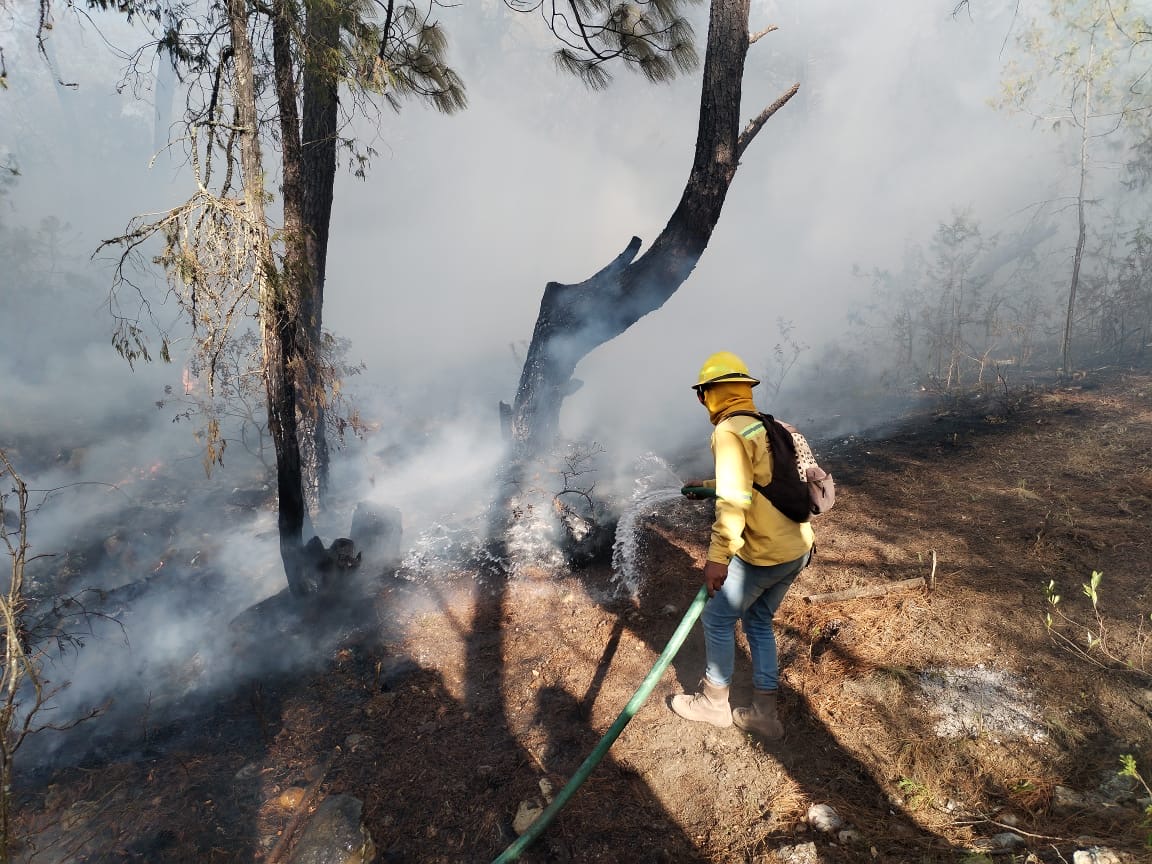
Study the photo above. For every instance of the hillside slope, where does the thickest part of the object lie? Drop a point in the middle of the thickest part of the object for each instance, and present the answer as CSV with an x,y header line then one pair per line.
x,y
934,719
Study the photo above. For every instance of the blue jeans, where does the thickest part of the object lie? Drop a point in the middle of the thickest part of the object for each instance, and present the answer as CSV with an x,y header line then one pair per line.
x,y
750,594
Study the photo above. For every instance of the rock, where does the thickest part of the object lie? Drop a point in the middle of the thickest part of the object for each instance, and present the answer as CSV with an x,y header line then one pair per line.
x,y
801,853
1097,855
1118,788
527,813
823,818
1064,798
335,835
851,837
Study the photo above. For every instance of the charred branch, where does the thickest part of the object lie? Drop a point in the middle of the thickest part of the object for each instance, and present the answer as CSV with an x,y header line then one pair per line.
x,y
575,319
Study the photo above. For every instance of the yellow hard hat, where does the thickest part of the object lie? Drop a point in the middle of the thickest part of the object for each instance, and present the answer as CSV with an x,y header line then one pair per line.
x,y
724,366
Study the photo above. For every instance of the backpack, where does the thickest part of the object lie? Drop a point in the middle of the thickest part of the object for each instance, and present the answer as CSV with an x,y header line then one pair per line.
x,y
799,495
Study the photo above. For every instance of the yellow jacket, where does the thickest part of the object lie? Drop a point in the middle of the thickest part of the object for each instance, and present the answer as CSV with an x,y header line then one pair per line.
x,y
746,523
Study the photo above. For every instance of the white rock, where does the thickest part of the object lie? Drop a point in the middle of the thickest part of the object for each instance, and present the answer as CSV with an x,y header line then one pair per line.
x,y
823,818
801,853
850,837
1096,855
526,815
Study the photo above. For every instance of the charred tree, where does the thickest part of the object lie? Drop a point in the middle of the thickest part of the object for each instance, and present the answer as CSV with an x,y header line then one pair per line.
x,y
308,132
277,306
575,319
318,168
1081,225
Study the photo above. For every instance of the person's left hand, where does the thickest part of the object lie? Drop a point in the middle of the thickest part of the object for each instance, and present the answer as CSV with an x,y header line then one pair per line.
x,y
714,576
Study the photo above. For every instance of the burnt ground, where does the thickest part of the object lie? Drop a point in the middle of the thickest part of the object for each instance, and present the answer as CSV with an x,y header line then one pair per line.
x,y
492,686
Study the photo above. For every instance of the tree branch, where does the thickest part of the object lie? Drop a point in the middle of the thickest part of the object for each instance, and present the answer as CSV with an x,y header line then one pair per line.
x,y
383,55
613,268
756,37
757,123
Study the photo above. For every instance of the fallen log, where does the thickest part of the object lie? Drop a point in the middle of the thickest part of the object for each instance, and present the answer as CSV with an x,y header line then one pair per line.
x,y
866,591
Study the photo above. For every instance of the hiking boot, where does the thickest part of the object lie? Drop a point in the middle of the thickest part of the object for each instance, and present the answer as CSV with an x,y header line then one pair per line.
x,y
710,705
761,718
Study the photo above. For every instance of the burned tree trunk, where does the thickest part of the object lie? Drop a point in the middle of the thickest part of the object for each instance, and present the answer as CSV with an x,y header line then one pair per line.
x,y
277,312
575,319
309,172
318,151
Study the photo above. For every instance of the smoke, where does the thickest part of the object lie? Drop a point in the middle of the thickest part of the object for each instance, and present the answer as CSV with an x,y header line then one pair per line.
x,y
438,261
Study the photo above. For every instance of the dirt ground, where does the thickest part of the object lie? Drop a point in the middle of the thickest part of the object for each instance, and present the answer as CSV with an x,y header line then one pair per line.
x,y
494,685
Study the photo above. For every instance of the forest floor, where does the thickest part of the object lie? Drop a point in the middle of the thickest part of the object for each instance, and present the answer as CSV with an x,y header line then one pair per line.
x,y
942,721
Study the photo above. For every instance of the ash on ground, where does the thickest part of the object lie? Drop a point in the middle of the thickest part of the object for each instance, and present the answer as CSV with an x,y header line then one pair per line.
x,y
980,702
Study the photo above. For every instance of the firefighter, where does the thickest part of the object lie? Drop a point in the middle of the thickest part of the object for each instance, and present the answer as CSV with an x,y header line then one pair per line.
x,y
755,554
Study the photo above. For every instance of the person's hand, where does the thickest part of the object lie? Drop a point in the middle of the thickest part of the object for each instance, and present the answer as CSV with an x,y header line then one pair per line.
x,y
694,484
714,576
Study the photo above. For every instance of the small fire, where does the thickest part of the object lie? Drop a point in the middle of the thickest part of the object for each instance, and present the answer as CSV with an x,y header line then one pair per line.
x,y
142,472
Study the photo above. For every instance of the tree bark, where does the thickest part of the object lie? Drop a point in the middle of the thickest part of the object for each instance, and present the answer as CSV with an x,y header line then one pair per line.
x,y
277,319
308,140
320,83
1082,228
575,319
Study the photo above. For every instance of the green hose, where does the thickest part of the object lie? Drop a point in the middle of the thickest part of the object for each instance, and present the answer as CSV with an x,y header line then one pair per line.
x,y
545,818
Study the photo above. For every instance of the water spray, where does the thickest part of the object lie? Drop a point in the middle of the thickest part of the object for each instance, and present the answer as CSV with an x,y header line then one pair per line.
x,y
513,852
